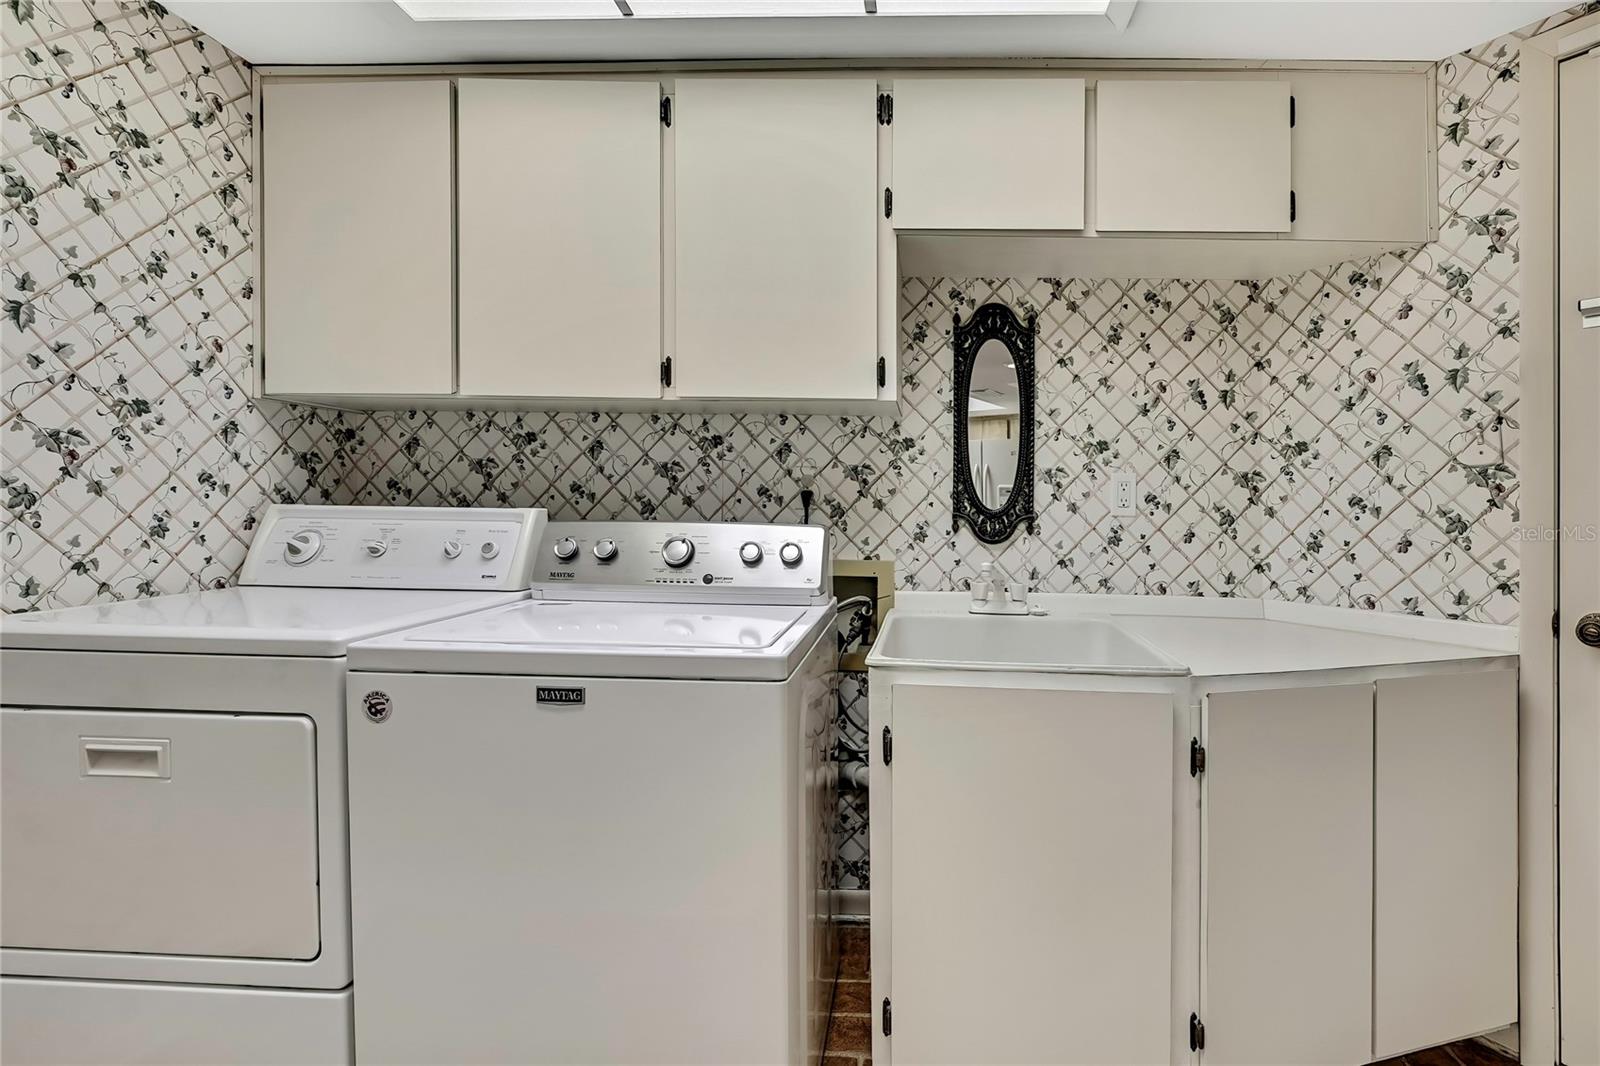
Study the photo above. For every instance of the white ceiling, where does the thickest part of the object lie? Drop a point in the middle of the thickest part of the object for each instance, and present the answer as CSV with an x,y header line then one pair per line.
x,y
378,31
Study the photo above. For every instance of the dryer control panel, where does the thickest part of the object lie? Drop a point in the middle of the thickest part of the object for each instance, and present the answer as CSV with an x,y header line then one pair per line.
x,y
395,547
708,562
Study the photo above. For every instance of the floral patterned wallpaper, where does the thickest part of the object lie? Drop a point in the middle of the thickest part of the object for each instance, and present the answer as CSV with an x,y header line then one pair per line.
x,y
133,463
1344,436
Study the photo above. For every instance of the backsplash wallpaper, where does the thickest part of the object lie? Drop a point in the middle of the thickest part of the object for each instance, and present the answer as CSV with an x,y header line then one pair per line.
x,y
133,463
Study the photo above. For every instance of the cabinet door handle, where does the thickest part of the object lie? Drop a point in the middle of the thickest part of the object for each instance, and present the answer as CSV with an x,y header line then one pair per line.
x,y
1589,629
1590,310
124,757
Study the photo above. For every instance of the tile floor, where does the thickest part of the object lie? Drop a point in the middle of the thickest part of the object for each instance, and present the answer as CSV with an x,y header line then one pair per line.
x,y
850,1028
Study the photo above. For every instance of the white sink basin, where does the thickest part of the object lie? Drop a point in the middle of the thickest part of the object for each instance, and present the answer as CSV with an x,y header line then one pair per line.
x,y
1036,644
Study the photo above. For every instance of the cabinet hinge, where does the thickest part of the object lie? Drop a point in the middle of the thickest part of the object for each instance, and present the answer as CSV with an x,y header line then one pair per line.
x,y
1291,111
888,749
885,109
666,372
883,372
1197,1033
888,1018
1555,624
666,110
1197,758
888,203
1291,205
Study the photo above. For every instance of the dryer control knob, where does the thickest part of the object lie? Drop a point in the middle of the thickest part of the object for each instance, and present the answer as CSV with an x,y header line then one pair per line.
x,y
791,554
566,549
452,549
677,552
750,553
605,550
376,548
302,547
488,549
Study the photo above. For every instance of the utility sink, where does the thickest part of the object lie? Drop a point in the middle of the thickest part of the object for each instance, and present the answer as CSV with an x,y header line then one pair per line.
x,y
1031,643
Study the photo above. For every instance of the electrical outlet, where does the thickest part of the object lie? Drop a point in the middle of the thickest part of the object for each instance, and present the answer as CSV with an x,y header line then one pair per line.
x,y
1124,491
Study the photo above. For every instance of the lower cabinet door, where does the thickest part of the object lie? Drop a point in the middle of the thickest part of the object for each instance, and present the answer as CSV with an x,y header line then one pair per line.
x,y
1031,890
1286,867
1445,907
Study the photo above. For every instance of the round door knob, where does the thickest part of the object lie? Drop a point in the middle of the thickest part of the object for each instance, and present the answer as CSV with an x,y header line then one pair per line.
x,y
566,549
376,548
302,547
677,552
605,550
750,553
452,549
1589,629
791,554
488,549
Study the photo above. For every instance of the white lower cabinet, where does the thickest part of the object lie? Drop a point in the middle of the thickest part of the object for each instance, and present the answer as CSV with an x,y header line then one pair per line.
x,y
1031,882
1286,904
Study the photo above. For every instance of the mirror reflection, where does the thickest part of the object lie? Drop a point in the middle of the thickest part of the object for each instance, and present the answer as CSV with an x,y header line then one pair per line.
x,y
993,424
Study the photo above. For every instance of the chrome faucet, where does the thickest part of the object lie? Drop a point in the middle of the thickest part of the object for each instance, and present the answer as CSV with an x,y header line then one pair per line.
x,y
997,592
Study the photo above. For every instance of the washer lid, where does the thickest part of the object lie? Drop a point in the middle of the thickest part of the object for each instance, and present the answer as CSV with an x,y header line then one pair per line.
x,y
241,621
571,638
634,625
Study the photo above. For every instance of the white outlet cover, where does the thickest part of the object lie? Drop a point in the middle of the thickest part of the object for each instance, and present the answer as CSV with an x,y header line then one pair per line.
x,y
1124,493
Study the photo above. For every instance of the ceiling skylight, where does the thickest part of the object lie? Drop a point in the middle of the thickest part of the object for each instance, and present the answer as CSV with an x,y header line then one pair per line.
x,y
522,10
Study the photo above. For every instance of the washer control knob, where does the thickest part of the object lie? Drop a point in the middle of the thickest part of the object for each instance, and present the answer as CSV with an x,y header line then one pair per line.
x,y
750,553
605,550
488,549
376,548
566,549
302,547
677,552
790,554
452,549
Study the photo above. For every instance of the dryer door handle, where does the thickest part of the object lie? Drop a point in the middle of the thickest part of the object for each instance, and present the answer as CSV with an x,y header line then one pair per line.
x,y
124,757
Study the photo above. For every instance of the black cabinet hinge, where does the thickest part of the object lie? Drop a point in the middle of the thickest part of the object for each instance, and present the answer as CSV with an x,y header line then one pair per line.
x,y
666,110
888,1018
888,749
1197,758
1291,205
883,371
885,109
888,203
1291,111
1555,624
666,372
1197,1033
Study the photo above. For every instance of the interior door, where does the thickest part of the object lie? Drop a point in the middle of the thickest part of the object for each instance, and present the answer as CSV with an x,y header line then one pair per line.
x,y
357,264
1286,969
777,201
1579,593
1031,909
560,237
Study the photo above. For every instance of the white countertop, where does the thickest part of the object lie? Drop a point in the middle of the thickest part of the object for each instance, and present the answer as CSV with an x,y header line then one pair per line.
x,y
1232,637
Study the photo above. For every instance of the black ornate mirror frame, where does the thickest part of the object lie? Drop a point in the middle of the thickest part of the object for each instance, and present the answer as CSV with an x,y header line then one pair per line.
x,y
994,321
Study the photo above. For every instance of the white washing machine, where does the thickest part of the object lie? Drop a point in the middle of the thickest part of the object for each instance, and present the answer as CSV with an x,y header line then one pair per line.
x,y
175,877
594,827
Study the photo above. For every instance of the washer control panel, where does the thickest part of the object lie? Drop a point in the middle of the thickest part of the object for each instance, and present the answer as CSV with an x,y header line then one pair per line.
x,y
395,547
686,561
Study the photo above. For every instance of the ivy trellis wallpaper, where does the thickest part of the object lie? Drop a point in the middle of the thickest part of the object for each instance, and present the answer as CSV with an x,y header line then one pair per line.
x,y
1344,436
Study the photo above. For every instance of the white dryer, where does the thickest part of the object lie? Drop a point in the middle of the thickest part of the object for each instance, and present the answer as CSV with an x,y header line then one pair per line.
x,y
594,827
175,878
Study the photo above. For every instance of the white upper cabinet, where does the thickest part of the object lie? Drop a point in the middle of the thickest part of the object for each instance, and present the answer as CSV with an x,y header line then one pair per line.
x,y
1363,157
559,229
777,210
1192,156
356,238
989,153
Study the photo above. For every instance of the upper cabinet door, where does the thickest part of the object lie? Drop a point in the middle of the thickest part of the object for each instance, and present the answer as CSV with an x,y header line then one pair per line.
x,y
560,237
988,153
1192,156
356,238
778,203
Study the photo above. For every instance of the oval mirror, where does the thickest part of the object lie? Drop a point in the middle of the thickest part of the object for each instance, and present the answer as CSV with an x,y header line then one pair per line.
x,y
994,397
